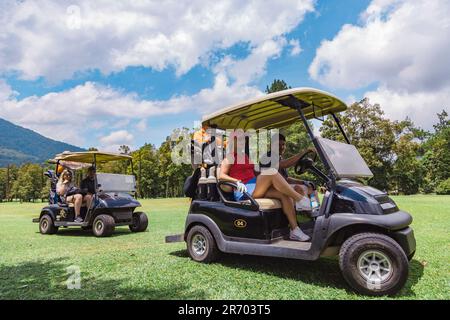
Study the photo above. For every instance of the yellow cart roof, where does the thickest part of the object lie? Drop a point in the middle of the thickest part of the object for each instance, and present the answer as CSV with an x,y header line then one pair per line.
x,y
88,156
267,112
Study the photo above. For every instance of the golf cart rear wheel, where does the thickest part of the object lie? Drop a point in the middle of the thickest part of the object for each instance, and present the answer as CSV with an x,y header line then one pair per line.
x,y
201,244
140,222
103,225
373,264
46,225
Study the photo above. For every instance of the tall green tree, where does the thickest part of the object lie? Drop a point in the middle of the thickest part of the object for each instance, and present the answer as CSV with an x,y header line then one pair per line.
x,y
407,169
436,158
29,183
277,85
146,168
2,184
388,147
172,175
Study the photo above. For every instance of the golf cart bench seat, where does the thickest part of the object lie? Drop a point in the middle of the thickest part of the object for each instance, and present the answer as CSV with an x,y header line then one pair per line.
x,y
70,205
264,203
267,203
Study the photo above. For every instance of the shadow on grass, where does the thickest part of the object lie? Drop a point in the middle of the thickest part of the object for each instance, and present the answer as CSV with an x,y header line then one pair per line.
x,y
47,280
325,272
415,274
78,232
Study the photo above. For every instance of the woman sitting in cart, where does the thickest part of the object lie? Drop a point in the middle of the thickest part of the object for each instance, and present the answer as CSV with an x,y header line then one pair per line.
x,y
262,186
301,186
64,189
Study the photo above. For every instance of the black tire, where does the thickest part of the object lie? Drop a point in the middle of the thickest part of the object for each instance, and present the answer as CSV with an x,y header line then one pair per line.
x,y
385,252
140,222
46,225
103,225
209,251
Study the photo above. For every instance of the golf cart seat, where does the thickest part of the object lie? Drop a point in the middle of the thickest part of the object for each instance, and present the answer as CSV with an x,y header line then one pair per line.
x,y
264,203
268,203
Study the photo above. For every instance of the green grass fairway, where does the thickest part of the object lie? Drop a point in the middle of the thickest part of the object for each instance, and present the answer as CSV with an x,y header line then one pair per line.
x,y
142,266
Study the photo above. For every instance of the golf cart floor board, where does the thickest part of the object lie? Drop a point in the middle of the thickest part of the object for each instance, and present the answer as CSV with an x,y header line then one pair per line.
x,y
70,224
280,248
292,244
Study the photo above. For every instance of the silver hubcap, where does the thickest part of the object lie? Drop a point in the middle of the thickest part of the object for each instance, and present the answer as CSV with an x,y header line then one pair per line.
x,y
44,224
374,266
199,244
99,226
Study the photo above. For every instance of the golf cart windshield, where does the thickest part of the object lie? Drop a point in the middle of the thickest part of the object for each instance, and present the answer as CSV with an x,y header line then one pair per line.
x,y
109,182
344,159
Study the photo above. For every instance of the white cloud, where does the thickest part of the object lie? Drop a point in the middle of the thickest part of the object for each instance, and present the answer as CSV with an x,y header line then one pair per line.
x,y
6,91
402,47
117,138
73,115
253,66
58,39
405,46
296,49
421,107
142,125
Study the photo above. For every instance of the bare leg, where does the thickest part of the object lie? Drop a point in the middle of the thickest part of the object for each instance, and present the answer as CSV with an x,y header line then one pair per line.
x,y
88,200
287,205
264,182
300,189
78,201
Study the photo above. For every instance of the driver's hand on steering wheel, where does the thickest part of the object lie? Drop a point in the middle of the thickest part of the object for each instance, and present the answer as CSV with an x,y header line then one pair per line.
x,y
306,151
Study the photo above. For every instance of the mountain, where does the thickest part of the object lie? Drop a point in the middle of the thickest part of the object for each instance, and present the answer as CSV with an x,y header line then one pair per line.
x,y
19,145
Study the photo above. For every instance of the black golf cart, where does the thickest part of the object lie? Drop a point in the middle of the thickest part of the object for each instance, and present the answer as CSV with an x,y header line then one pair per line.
x,y
358,223
113,202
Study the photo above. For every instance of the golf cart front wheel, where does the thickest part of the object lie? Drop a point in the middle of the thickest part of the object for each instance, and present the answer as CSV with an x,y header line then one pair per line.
x,y
201,244
373,264
139,222
103,225
46,225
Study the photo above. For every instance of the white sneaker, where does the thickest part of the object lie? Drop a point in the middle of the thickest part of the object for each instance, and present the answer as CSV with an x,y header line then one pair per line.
x,y
298,235
303,204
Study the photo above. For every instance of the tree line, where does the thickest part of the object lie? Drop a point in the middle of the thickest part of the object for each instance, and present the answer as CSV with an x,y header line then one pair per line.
x,y
404,159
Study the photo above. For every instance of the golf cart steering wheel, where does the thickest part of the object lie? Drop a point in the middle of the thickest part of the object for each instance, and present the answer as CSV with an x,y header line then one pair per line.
x,y
305,162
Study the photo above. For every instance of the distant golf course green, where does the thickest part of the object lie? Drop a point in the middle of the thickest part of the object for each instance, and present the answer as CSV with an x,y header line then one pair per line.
x,y
142,266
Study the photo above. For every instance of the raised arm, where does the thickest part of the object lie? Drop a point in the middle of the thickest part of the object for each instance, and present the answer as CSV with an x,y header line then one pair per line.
x,y
224,171
290,162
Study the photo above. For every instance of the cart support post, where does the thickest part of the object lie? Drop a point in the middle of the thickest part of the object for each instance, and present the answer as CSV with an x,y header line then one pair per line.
x,y
338,122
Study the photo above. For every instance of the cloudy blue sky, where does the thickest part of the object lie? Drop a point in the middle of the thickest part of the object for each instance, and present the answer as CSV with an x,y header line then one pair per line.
x,y
103,73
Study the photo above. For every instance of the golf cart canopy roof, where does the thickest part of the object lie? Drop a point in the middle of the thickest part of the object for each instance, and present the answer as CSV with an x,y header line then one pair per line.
x,y
270,111
89,157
